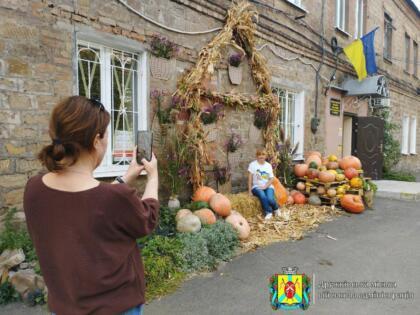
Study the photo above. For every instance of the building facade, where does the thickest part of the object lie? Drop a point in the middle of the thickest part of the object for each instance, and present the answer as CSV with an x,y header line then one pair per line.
x,y
52,49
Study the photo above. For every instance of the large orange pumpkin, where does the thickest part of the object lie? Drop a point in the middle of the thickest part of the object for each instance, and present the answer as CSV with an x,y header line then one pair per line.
x,y
350,161
301,169
279,191
203,193
220,204
351,173
326,177
314,158
352,203
206,216
299,198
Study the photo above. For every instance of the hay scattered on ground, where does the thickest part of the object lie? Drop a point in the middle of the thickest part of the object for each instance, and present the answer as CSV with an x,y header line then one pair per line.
x,y
303,219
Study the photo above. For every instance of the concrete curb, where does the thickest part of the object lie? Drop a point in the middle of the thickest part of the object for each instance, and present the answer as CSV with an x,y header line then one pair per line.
x,y
397,190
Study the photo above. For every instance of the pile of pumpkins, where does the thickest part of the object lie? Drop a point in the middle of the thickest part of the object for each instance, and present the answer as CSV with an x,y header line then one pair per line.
x,y
330,169
206,208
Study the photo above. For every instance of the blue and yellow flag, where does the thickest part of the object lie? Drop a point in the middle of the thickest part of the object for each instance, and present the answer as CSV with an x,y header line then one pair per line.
x,y
361,54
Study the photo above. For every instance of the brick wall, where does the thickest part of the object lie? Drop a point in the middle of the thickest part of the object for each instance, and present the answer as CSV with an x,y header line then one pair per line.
x,y
36,65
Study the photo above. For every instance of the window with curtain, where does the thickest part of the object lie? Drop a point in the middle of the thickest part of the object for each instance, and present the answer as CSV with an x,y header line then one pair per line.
x,y
112,76
291,117
387,37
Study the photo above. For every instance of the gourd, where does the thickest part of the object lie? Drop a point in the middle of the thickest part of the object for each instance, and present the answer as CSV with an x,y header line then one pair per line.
x,y
203,193
313,165
351,173
314,158
352,203
220,204
312,173
240,224
350,161
314,200
356,182
340,177
326,177
189,223
331,192
182,213
301,169
321,190
279,191
332,165
299,198
300,186
332,158
206,216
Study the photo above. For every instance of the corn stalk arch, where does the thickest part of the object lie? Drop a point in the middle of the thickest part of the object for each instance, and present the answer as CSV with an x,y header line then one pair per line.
x,y
239,31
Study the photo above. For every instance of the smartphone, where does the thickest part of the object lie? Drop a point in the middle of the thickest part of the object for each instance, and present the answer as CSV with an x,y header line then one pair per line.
x,y
144,145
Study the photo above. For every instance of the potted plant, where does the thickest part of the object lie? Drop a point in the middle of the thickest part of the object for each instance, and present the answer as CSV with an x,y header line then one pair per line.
x,y
261,118
233,143
212,113
235,72
162,50
222,176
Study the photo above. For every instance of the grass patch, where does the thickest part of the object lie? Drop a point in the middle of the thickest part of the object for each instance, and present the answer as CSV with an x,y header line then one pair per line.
x,y
400,176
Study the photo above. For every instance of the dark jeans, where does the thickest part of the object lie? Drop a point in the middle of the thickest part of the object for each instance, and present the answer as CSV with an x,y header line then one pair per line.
x,y
137,310
268,201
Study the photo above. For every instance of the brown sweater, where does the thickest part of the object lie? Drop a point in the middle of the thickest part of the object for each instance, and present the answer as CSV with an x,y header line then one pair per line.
x,y
86,245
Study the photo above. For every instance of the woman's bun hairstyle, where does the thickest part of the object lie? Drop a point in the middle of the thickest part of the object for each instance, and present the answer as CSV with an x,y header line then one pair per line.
x,y
74,124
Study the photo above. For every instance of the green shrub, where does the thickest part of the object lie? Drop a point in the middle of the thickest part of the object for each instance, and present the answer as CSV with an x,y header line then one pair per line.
x,y
15,238
162,263
195,252
221,239
166,225
401,176
8,294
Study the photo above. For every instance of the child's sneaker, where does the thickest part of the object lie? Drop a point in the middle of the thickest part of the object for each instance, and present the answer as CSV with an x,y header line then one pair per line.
x,y
277,213
268,216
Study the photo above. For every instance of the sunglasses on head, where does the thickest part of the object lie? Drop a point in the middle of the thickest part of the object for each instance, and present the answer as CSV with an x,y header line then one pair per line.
x,y
97,103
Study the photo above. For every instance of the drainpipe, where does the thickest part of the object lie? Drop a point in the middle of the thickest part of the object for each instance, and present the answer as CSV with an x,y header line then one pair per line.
x,y
315,119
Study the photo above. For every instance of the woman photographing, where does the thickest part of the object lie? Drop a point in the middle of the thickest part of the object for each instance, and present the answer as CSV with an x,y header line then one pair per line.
x,y
84,231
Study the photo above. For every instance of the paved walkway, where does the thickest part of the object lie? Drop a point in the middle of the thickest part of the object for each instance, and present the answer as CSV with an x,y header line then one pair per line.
x,y
393,189
377,245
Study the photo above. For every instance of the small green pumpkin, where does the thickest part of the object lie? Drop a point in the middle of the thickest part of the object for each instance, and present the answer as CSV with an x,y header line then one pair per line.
x,y
313,165
197,205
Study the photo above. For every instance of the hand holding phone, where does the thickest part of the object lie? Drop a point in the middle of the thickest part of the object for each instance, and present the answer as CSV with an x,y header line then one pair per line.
x,y
144,145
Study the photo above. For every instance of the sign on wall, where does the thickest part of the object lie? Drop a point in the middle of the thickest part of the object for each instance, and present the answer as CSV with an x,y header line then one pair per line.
x,y
335,107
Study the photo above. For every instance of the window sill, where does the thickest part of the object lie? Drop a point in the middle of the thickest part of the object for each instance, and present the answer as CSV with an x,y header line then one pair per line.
x,y
301,9
342,32
388,60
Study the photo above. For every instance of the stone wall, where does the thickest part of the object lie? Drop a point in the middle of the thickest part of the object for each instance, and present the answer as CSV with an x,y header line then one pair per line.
x,y
37,66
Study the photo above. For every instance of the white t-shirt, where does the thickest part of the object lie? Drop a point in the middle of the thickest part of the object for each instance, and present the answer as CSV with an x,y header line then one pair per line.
x,y
261,174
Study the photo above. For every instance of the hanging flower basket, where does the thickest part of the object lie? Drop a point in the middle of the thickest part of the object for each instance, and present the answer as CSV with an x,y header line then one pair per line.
x,y
235,74
161,68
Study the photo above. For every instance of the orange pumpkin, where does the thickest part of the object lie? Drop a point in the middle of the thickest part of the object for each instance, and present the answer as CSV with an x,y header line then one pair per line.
x,y
290,200
293,192
351,173
352,203
301,169
332,165
356,182
314,158
203,193
299,198
312,173
220,204
326,177
309,153
240,224
279,191
206,216
350,161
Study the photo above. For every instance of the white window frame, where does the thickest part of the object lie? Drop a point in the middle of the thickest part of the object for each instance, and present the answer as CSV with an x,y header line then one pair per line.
x,y
413,135
340,15
107,168
297,3
359,20
299,114
405,132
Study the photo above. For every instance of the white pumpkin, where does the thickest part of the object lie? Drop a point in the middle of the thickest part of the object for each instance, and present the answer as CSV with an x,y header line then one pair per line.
x,y
189,223
182,213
